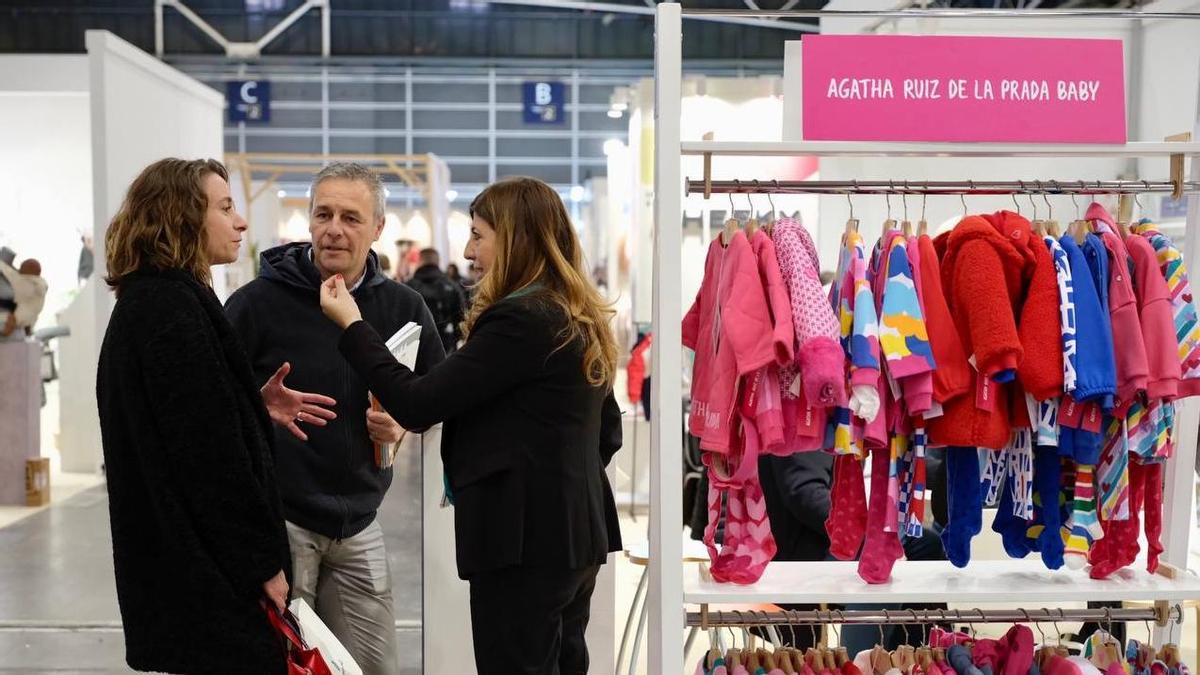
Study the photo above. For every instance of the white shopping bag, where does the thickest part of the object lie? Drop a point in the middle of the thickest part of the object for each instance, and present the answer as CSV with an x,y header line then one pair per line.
x,y
319,637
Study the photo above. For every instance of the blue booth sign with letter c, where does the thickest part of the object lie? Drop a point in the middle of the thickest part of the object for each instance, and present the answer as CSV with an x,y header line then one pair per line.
x,y
249,100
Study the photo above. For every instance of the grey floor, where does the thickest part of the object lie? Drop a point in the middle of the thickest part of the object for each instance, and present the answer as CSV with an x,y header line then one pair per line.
x,y
58,605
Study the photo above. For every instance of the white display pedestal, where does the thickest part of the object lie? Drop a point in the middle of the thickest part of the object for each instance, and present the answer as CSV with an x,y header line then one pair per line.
x,y
446,614
20,415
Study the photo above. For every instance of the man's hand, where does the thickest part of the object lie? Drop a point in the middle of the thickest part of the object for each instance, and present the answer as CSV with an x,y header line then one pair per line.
x,y
288,407
276,591
382,428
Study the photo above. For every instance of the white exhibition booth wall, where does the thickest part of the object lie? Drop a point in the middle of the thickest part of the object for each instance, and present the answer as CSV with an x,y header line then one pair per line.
x,y
138,110
76,130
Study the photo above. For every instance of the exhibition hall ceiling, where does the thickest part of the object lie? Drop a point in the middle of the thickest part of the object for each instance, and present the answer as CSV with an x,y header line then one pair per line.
x,y
421,29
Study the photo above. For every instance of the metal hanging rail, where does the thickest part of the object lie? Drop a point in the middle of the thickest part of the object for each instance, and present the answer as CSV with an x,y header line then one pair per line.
x,y
705,618
967,187
938,14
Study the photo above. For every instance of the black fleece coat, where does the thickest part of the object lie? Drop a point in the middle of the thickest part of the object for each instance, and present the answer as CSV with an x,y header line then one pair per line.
x,y
525,442
197,525
330,484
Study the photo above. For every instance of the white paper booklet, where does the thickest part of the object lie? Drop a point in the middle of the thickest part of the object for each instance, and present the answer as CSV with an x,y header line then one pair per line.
x,y
404,345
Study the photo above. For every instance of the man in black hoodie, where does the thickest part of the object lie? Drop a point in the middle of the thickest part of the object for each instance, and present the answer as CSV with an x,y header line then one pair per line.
x,y
330,484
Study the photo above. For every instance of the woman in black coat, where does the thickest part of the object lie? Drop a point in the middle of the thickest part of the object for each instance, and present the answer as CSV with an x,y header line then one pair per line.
x,y
531,423
198,532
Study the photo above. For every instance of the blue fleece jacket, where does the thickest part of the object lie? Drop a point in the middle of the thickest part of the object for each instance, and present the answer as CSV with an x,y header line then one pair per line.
x,y
1095,364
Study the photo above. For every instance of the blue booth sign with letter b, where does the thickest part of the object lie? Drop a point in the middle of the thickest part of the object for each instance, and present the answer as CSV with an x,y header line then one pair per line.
x,y
249,101
544,102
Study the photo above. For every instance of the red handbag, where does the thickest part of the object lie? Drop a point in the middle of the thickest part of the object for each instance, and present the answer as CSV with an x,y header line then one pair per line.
x,y
301,659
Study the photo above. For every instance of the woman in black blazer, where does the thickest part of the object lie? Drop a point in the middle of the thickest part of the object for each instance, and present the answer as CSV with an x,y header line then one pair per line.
x,y
531,423
197,526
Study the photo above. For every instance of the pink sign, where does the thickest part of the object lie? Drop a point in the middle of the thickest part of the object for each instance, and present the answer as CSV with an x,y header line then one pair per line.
x,y
956,89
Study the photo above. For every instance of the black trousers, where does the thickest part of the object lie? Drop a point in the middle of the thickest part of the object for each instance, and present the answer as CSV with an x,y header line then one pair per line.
x,y
531,620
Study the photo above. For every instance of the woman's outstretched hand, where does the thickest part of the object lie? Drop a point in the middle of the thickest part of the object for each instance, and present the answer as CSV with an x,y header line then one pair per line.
x,y
337,302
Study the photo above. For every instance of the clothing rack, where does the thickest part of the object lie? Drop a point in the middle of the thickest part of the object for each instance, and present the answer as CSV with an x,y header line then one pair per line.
x,y
674,586
705,618
961,187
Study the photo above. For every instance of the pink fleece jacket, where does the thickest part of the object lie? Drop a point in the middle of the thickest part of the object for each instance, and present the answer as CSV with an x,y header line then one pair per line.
x,y
778,301
1129,347
729,327
763,399
1158,319
818,350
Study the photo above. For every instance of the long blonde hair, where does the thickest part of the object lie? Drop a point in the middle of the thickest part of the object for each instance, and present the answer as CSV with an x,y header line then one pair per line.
x,y
160,225
536,244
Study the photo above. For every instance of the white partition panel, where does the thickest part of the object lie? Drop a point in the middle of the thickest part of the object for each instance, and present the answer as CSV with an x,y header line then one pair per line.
x,y
141,110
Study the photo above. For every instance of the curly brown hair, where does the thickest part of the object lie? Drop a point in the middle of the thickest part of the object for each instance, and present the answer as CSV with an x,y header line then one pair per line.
x,y
160,225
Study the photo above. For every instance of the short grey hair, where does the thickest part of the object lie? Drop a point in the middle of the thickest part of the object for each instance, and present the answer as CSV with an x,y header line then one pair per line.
x,y
352,171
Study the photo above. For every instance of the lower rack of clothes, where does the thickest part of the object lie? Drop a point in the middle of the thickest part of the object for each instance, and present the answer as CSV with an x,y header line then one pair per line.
x,y
941,651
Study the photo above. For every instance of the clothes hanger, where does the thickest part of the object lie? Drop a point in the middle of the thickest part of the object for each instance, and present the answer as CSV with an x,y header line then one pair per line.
x,y
1051,223
770,227
852,223
824,653
889,224
962,197
923,654
1112,648
750,653
1079,226
752,223
812,656
783,658
1059,648
731,225
1038,225
905,656
905,226
771,636
881,659
714,649
922,225
1041,652
841,654
733,657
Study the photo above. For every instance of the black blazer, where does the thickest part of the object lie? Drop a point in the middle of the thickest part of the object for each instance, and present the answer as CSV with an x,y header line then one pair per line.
x,y
197,525
525,442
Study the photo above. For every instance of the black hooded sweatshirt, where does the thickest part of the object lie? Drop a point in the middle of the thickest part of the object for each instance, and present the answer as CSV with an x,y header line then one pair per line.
x,y
329,484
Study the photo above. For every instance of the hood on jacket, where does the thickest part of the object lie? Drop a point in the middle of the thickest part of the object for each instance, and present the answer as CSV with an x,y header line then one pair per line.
x,y
1096,211
1008,233
292,264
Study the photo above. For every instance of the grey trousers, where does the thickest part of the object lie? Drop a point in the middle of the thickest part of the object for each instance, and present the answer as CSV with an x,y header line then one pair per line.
x,y
349,584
